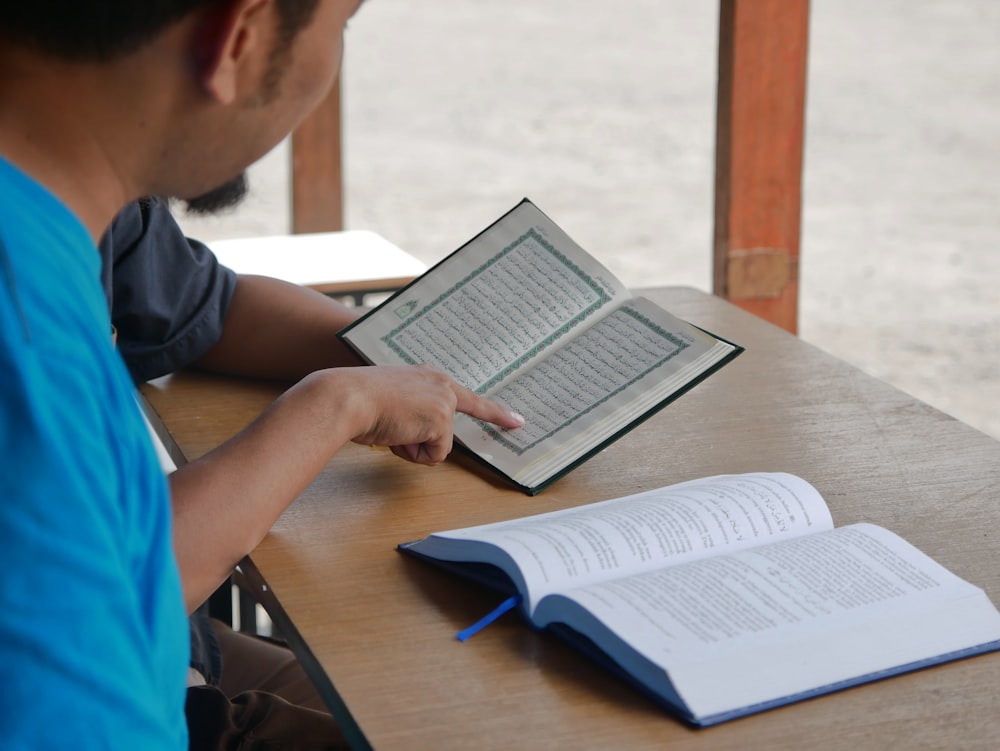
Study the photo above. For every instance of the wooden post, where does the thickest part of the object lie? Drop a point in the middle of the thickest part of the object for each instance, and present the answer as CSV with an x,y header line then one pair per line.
x,y
758,161
317,177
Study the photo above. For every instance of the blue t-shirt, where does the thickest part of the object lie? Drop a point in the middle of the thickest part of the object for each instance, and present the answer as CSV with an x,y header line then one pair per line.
x,y
93,633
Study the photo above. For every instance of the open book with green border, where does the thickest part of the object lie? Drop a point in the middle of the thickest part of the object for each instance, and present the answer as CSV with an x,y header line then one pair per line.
x,y
523,315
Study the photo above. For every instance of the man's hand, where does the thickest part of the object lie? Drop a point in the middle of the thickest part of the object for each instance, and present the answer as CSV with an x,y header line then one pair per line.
x,y
412,410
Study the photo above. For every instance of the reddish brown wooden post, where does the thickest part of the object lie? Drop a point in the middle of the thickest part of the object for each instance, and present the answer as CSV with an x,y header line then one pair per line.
x,y
317,178
758,160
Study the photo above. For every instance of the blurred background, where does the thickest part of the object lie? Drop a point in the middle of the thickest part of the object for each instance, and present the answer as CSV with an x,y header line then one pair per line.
x,y
604,115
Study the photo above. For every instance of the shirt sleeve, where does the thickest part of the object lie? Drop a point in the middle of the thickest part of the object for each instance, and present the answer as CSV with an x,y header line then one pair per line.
x,y
167,293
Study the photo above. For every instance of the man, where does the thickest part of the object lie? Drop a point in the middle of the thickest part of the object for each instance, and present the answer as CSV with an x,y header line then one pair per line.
x,y
102,103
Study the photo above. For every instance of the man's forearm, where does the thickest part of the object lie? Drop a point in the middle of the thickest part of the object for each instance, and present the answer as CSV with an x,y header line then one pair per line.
x,y
274,329
226,501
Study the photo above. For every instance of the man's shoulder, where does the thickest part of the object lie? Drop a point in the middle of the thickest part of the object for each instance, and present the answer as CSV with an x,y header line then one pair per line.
x,y
34,217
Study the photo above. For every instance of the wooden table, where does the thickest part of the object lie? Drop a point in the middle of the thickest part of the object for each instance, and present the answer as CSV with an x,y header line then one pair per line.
x,y
377,629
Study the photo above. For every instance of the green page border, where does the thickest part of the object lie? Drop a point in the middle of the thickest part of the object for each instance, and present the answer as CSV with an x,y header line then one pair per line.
x,y
603,299
681,345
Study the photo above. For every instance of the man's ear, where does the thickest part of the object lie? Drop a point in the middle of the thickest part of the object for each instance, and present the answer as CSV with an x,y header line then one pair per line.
x,y
229,37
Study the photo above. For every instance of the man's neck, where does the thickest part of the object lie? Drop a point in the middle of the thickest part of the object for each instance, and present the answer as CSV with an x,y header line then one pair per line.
x,y
45,132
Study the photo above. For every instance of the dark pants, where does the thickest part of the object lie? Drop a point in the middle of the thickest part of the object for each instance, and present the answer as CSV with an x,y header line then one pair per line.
x,y
265,702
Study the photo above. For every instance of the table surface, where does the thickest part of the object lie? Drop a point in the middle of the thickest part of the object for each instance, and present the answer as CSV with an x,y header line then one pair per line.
x,y
377,629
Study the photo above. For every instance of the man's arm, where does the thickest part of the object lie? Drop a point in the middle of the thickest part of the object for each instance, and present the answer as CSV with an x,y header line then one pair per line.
x,y
225,502
174,306
274,329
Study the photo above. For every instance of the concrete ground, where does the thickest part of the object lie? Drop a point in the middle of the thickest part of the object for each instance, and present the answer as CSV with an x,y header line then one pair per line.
x,y
603,114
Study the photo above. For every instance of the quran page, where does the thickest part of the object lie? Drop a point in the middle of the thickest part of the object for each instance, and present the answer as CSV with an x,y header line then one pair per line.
x,y
525,316
628,363
504,299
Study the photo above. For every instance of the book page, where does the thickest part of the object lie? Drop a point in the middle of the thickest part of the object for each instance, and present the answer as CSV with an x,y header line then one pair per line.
x,y
593,386
494,306
642,532
776,620
523,315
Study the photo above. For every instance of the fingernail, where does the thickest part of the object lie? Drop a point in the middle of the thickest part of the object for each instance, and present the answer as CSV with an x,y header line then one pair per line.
x,y
519,419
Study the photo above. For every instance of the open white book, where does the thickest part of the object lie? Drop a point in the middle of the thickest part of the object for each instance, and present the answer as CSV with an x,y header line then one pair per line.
x,y
728,595
523,315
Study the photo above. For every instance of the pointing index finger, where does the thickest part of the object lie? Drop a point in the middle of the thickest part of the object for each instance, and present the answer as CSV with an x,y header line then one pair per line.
x,y
473,405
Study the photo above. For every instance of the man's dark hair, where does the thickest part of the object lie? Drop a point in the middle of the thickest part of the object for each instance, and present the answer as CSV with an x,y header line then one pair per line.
x,y
101,30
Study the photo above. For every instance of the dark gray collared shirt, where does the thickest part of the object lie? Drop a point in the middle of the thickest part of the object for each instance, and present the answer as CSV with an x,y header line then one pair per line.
x,y
167,294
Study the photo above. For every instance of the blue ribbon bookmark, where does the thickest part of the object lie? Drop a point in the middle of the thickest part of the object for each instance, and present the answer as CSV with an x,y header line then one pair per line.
x,y
509,604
